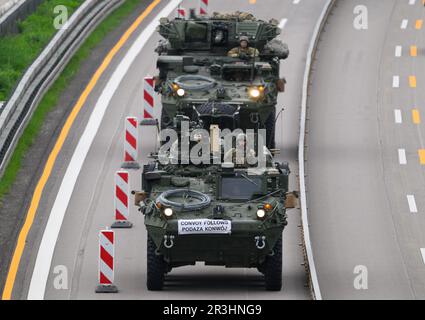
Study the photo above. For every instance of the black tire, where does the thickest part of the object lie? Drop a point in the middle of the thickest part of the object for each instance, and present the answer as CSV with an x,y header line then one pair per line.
x,y
156,268
273,268
271,130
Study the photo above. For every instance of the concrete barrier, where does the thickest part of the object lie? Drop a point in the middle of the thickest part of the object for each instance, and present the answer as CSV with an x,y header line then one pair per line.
x,y
309,260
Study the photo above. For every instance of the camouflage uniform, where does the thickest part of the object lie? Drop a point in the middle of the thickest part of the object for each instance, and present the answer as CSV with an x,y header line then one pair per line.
x,y
250,52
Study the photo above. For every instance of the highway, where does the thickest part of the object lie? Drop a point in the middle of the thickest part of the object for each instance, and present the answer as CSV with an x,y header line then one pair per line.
x,y
3,2
365,164
93,151
5,5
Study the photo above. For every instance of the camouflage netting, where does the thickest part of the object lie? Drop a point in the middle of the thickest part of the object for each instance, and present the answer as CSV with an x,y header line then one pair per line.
x,y
240,16
277,47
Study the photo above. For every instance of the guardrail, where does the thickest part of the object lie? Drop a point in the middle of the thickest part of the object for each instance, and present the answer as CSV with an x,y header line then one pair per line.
x,y
45,69
311,268
13,11
8,5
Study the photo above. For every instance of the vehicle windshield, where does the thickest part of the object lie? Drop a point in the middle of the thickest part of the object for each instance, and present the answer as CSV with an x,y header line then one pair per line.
x,y
241,188
196,32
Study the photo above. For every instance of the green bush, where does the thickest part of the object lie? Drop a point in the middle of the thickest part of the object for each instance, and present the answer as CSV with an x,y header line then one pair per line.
x,y
51,98
18,51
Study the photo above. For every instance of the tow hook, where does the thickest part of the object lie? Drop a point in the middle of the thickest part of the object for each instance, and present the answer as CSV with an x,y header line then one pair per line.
x,y
260,242
255,118
168,241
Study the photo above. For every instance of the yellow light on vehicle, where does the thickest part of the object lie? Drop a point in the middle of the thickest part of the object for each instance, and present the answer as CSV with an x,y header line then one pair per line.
x,y
268,207
254,93
175,87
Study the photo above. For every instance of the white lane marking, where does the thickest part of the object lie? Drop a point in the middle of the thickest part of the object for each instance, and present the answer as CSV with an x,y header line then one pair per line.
x,y
423,254
412,2
45,253
398,51
397,116
402,156
296,1
404,24
301,154
396,82
282,23
412,204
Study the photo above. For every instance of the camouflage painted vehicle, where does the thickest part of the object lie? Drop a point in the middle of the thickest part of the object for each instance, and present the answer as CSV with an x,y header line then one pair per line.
x,y
198,78
221,214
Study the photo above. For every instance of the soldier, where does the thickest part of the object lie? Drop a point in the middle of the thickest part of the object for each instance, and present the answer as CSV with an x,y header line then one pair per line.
x,y
239,155
243,51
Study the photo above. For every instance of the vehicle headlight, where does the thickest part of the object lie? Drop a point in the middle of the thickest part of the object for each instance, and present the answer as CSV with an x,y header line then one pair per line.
x,y
180,92
168,212
256,92
261,213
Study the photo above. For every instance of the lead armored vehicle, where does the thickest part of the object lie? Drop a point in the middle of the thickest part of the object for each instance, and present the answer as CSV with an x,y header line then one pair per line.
x,y
230,214
198,78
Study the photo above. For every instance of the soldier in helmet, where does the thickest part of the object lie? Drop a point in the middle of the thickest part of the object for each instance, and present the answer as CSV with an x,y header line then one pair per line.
x,y
239,155
244,51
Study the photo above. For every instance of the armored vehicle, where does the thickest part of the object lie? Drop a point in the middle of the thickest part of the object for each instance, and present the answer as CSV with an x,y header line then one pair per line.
x,y
230,214
197,77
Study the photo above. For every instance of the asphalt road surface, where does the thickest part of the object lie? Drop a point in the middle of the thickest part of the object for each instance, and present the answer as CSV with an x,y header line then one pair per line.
x,y
90,206
366,181
3,2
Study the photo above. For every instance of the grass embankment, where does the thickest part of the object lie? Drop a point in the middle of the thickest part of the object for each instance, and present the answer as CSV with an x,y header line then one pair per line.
x,y
51,98
18,51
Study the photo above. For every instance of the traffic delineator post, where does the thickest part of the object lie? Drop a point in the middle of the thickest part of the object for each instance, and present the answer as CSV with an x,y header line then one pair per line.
x,y
204,7
148,101
181,13
106,262
131,144
121,200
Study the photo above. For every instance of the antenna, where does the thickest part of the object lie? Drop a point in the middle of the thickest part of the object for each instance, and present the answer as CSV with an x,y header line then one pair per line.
x,y
253,64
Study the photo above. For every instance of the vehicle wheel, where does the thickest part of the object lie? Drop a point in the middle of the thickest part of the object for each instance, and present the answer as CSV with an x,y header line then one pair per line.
x,y
156,268
273,268
271,130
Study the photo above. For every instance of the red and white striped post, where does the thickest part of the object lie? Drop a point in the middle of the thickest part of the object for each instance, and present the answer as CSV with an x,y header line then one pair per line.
x,y
121,200
204,7
131,144
148,97
148,101
106,262
181,13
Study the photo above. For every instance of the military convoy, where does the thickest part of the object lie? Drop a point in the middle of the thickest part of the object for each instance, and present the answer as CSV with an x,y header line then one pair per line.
x,y
220,211
198,78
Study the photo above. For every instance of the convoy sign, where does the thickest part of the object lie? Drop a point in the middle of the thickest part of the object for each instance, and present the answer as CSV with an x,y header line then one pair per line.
x,y
204,226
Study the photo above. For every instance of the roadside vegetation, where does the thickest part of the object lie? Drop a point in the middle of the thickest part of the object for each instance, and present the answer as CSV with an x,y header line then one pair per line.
x,y
51,98
18,51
